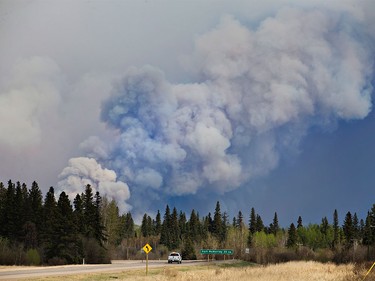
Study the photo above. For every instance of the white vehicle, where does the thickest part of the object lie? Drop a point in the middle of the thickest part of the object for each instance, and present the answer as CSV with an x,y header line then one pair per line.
x,y
174,257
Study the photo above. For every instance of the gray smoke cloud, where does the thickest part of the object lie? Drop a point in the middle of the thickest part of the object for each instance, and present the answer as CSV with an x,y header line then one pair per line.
x,y
257,92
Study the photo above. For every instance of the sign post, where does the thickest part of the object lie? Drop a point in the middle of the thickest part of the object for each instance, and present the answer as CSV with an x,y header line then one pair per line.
x,y
147,248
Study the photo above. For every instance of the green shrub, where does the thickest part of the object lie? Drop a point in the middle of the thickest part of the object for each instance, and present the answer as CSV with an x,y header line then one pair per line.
x,y
94,253
32,257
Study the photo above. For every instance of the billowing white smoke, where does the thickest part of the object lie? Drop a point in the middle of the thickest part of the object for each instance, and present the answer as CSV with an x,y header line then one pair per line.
x,y
82,171
257,93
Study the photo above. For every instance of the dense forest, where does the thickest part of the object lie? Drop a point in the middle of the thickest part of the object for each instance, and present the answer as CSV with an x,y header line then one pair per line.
x,y
37,230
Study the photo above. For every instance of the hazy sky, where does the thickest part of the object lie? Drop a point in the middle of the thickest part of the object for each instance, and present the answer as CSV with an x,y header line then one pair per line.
x,y
265,105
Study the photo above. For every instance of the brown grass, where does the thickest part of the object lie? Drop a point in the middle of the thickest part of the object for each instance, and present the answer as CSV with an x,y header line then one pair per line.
x,y
291,271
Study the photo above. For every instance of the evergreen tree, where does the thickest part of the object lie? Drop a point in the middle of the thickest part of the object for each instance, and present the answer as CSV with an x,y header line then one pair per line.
x,y
361,229
158,223
292,236
356,227
217,225
35,201
209,222
194,227
111,221
165,237
259,224
9,226
188,251
145,230
50,226
206,226
19,212
182,224
336,229
324,226
274,227
348,229
253,221
99,229
66,244
33,216
78,214
299,222
368,237
175,231
3,198
239,222
225,227
89,213
128,227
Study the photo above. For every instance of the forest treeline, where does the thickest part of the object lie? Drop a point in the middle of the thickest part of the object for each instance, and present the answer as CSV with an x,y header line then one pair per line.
x,y
54,230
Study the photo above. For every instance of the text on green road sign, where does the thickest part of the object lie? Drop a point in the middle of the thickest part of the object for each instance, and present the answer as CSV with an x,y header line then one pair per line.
x,y
216,252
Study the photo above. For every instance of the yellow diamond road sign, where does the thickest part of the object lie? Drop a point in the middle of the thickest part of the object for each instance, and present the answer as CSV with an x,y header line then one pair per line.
x,y
147,248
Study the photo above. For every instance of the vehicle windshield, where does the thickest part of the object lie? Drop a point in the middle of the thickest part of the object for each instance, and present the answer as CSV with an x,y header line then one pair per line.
x,y
174,255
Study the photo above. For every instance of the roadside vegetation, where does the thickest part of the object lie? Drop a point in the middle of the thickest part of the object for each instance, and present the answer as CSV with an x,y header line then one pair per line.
x,y
49,231
307,271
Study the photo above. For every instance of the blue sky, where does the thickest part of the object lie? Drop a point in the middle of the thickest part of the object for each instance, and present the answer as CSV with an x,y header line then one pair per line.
x,y
188,103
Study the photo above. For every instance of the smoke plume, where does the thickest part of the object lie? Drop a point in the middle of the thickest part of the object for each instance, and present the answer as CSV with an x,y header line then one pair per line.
x,y
257,92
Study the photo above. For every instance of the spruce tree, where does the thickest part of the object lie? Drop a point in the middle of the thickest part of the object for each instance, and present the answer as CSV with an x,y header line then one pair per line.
x,y
19,212
175,231
239,221
217,225
209,222
252,221
368,237
356,227
112,221
67,243
299,222
3,196
292,236
144,226
35,201
158,223
225,223
8,228
274,228
259,224
361,228
336,229
348,229
99,229
182,224
324,226
188,251
128,226
165,237
78,214
194,229
89,213
50,225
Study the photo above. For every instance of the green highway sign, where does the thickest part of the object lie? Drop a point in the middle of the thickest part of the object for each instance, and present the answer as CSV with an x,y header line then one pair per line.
x,y
216,252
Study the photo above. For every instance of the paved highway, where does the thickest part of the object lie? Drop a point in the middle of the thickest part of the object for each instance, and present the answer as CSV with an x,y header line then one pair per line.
x,y
19,273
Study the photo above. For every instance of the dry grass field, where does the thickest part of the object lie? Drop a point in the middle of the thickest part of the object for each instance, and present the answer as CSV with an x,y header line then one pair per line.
x,y
291,271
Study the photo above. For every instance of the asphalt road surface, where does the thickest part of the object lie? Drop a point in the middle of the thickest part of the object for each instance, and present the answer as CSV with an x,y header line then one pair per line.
x,y
22,273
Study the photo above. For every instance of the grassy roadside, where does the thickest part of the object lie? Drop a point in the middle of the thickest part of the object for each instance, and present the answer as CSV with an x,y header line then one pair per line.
x,y
162,273
238,271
